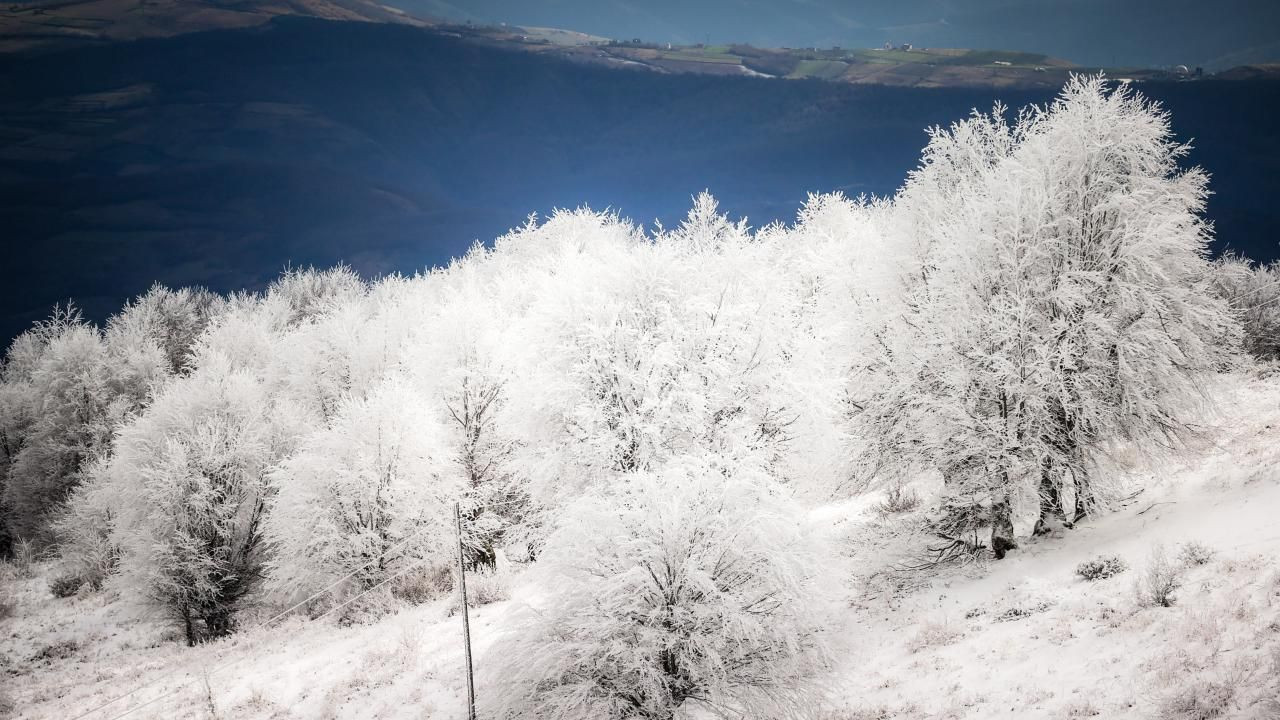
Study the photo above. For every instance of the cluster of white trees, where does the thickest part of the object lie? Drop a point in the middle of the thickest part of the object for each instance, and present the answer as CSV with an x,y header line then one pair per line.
x,y
1253,290
643,413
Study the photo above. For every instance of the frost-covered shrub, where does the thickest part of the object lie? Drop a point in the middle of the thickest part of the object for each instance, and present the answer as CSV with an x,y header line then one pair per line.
x,y
415,588
484,586
65,585
8,603
1160,580
932,634
1194,553
488,586
1102,567
23,561
681,587
1197,700
898,498
1022,602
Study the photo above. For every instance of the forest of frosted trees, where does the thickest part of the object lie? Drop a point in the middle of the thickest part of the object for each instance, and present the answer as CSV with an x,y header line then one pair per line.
x,y
645,416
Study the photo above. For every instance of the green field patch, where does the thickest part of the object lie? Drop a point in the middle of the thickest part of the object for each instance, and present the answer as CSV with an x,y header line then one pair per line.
x,y
823,69
687,56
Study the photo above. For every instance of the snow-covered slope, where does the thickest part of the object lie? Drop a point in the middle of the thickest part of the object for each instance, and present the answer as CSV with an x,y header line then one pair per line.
x,y
1027,637
1021,638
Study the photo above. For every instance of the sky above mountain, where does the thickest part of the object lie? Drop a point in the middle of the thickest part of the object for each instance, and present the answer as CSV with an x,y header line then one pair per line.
x,y
1147,33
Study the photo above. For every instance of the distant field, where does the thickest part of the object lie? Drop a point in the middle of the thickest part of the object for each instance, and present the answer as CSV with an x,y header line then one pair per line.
x,y
821,69
691,55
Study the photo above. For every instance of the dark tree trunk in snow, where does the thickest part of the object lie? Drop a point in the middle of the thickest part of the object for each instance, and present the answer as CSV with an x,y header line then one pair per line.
x,y
1002,540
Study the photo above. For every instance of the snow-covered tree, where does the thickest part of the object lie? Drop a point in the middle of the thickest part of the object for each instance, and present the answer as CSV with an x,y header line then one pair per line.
x,y
366,497
67,388
191,478
171,319
1253,292
677,589
1059,304
637,352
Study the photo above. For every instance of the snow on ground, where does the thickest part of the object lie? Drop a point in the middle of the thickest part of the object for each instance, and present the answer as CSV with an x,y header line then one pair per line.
x,y
1021,638
1026,637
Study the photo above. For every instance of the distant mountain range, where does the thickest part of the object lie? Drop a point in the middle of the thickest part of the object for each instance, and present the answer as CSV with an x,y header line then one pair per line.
x,y
1115,33
53,24
270,137
44,25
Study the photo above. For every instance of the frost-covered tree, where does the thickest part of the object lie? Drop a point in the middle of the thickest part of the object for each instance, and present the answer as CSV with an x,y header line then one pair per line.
x,y
679,589
1059,303
172,320
638,352
1253,292
88,545
65,389
68,410
366,497
191,478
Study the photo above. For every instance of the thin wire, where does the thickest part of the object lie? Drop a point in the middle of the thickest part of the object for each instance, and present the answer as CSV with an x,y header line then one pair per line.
x,y
257,627
1255,291
1261,305
242,658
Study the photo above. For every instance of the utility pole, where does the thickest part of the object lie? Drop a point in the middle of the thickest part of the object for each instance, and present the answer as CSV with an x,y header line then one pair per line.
x,y
466,621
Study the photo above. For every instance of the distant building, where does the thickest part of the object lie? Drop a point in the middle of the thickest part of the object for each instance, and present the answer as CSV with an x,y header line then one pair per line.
x,y
888,45
906,47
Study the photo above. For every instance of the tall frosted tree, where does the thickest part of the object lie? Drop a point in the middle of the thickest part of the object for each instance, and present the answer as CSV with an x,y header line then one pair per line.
x,y
193,492
1059,304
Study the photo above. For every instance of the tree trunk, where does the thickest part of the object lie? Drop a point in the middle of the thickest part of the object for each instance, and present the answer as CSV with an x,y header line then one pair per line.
x,y
1052,511
1002,540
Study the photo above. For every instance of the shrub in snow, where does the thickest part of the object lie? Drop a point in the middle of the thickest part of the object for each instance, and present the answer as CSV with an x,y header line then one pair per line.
x,y
1160,580
485,585
1059,302
419,586
898,498
362,499
1197,699
1102,567
933,634
681,587
1194,553
8,603
66,585
23,561
1029,599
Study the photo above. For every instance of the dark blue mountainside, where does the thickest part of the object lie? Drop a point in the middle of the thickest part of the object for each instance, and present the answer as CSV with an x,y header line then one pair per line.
x,y
218,158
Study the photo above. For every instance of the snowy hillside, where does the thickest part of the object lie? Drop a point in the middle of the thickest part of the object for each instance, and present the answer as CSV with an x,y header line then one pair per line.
x,y
1022,638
